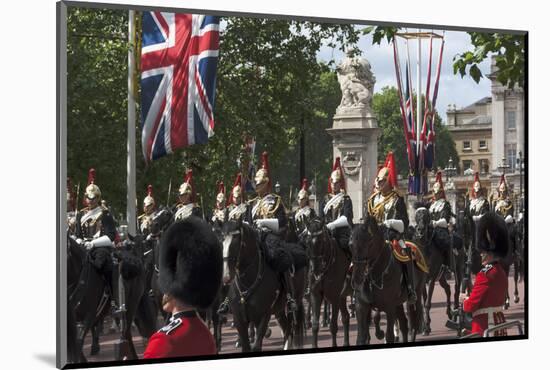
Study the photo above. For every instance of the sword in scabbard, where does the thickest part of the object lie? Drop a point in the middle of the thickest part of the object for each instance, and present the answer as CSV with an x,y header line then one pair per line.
x,y
76,199
169,191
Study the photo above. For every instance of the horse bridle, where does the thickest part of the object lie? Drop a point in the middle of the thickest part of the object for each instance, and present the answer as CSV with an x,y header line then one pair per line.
x,y
331,258
370,268
246,292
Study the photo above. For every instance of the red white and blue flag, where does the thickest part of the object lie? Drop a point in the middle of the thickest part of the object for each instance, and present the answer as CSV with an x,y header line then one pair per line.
x,y
179,56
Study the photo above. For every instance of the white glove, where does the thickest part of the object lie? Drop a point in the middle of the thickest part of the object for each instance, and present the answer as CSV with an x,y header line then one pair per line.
x,y
439,223
270,223
341,221
149,237
79,241
476,218
395,224
331,226
509,219
88,245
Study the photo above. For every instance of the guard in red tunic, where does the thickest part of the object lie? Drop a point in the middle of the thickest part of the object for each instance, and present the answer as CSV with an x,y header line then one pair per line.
x,y
488,294
190,277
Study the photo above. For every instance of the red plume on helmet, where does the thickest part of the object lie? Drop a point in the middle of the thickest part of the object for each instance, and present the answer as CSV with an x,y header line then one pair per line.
x,y
439,179
189,180
503,180
337,166
265,166
91,176
304,184
238,182
150,190
476,179
390,165
221,188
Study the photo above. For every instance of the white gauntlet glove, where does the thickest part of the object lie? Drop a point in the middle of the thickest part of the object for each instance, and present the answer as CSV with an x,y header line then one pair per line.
x,y
509,219
476,218
269,223
395,224
439,223
341,221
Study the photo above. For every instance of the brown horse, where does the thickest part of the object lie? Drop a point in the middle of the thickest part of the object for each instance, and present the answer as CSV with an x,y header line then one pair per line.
x,y
329,266
256,291
377,279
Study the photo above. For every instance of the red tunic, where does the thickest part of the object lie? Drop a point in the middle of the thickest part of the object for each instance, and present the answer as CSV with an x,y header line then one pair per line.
x,y
488,295
185,335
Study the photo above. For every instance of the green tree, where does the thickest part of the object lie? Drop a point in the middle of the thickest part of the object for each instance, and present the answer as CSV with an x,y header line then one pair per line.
x,y
385,105
508,49
267,73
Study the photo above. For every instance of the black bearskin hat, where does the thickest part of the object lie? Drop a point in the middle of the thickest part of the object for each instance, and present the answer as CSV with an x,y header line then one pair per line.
x,y
493,235
191,263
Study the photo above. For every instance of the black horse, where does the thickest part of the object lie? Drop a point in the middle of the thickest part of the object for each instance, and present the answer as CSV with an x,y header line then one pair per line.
x,y
514,258
436,263
377,279
89,297
256,290
329,267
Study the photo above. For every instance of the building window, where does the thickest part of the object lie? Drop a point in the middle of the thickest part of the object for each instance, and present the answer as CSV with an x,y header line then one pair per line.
x,y
483,166
466,165
511,156
482,144
511,120
466,146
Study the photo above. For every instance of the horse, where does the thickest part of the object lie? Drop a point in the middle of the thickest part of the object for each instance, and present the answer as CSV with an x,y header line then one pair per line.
x,y
329,267
377,278
140,309
515,258
90,296
435,261
76,255
255,289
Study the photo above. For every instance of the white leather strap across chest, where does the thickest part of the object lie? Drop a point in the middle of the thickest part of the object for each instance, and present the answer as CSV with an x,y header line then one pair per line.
x,y
333,202
91,215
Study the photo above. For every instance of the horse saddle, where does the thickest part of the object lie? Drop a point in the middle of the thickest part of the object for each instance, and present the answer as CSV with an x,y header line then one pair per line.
x,y
402,257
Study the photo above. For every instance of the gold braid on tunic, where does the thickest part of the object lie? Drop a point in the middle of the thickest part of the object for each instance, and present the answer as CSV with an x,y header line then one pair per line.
x,y
378,210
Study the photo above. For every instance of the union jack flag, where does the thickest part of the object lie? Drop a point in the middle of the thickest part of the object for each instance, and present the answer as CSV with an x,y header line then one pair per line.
x,y
179,56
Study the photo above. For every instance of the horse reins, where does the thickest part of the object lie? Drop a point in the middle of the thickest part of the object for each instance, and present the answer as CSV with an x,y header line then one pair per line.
x,y
331,260
372,281
245,293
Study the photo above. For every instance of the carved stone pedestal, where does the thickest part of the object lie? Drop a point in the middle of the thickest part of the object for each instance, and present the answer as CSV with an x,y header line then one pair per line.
x,y
355,134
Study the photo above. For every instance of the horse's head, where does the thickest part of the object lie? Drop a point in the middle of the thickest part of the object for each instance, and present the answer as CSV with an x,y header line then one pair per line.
x,y
317,238
160,221
364,239
422,219
232,236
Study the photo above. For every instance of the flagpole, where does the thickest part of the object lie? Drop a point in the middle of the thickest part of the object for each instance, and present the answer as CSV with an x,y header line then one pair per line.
x,y
131,163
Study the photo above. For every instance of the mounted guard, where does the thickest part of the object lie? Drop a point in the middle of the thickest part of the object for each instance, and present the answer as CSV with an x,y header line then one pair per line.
x,y
388,207
336,208
186,205
440,217
503,205
149,210
304,213
218,213
237,208
267,213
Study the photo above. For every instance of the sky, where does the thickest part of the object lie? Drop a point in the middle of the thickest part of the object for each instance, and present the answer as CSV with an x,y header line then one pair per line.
x,y
452,88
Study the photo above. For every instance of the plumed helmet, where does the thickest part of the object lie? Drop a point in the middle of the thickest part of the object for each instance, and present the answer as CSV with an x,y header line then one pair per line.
x,y
187,185
92,190
220,197
191,262
493,235
388,171
237,190
303,193
149,200
438,185
262,175
336,176
473,192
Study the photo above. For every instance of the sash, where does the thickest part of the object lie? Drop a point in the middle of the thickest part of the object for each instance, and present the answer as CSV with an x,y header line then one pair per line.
x,y
302,212
238,211
93,214
333,202
184,211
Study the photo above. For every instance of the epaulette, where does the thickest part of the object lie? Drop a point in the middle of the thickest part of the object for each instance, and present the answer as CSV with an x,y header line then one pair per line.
x,y
250,201
141,216
171,326
487,268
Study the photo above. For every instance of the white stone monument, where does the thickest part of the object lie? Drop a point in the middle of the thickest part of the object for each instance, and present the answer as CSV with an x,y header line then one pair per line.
x,y
355,130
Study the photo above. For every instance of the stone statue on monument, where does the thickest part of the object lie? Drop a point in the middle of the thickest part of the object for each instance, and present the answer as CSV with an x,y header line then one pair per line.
x,y
356,82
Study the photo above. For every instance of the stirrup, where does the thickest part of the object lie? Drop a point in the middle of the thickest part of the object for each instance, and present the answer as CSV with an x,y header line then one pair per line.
x,y
224,307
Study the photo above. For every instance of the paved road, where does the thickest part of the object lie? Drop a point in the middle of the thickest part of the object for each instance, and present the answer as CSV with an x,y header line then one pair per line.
x,y
439,331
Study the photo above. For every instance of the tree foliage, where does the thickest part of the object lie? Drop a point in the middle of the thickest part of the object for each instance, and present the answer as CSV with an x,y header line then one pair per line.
x,y
269,82
508,50
385,105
